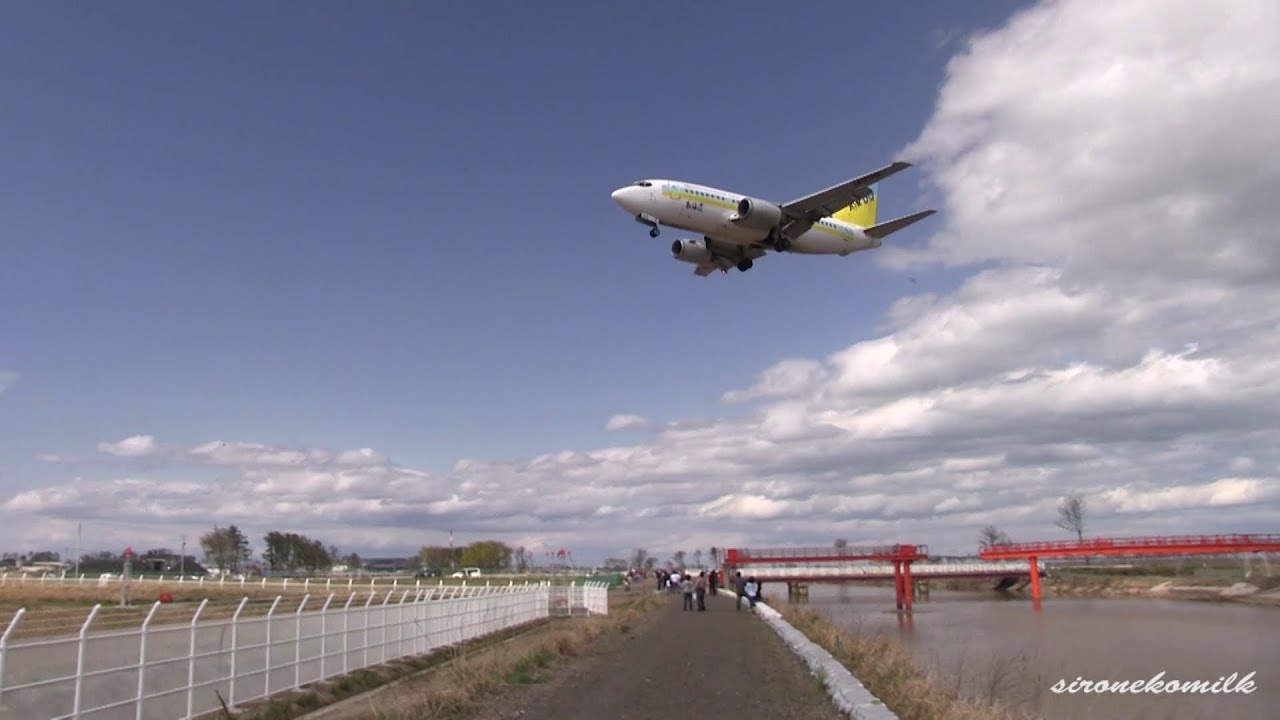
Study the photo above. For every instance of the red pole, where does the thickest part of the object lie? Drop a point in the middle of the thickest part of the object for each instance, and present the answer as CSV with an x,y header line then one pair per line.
x,y
908,590
897,582
1035,581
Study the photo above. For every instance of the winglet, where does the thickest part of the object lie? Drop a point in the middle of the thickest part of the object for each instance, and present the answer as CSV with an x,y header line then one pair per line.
x,y
885,229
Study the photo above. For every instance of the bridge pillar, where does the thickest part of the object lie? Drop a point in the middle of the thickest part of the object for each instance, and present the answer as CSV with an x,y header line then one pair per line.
x,y
1035,581
897,582
907,590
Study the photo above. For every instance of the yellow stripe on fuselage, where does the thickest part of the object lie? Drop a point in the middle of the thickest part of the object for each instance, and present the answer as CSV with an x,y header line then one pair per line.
x,y
716,202
695,197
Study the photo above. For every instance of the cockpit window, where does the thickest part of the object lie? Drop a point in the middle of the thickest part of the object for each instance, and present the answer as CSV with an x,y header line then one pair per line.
x,y
643,183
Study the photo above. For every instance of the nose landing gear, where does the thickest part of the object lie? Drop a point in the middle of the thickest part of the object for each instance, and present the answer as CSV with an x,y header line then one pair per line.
x,y
651,221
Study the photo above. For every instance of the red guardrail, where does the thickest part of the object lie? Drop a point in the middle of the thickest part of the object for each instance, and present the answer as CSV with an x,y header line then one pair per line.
x,y
738,556
1202,544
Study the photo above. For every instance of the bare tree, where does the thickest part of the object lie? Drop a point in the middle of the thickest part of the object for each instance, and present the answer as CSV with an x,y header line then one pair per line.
x,y
678,557
1071,515
715,556
992,535
697,557
841,542
638,558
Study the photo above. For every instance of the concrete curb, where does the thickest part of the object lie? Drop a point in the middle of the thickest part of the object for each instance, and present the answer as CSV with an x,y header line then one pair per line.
x,y
846,692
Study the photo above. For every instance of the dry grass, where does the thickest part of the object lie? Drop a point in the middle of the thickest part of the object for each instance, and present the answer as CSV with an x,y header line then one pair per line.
x,y
884,668
451,683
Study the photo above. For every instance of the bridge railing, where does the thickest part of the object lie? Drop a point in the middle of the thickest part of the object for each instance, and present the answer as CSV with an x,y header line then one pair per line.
x,y
1009,567
1243,541
825,553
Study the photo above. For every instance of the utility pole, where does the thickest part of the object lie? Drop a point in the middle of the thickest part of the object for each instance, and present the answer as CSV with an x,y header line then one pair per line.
x,y
182,559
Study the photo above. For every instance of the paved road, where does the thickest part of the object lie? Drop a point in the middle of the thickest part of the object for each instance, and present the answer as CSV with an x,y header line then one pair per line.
x,y
681,665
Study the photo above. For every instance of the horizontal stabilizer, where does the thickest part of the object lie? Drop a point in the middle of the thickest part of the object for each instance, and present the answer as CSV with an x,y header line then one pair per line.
x,y
885,229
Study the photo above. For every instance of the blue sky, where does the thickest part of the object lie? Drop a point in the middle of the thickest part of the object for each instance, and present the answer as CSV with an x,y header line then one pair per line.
x,y
306,230
390,225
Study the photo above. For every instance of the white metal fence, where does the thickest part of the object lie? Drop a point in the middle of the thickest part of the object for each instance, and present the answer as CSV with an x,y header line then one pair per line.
x,y
181,670
283,584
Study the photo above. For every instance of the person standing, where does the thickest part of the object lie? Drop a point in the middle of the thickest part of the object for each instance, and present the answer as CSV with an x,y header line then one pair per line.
x,y
686,586
700,589
738,590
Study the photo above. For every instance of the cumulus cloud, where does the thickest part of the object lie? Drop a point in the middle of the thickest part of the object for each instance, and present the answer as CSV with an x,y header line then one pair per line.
x,y
626,422
1110,167
136,446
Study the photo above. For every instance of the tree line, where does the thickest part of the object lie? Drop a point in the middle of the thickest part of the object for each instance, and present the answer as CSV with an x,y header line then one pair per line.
x,y
228,549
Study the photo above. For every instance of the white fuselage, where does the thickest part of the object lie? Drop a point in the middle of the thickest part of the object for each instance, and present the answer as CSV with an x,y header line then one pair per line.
x,y
711,212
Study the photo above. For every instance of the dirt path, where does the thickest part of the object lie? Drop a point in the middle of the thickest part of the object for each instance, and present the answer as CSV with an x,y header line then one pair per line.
x,y
678,665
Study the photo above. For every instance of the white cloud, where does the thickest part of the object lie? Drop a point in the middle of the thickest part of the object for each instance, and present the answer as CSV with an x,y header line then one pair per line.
x,y
1112,166
51,458
131,447
626,422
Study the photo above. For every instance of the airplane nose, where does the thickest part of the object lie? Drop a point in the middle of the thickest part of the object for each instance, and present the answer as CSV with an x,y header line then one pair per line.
x,y
619,195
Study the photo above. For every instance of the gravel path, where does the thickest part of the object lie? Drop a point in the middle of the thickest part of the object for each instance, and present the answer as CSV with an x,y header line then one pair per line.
x,y
678,664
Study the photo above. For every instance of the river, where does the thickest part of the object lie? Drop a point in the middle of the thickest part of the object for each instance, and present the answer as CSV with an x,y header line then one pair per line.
x,y
992,645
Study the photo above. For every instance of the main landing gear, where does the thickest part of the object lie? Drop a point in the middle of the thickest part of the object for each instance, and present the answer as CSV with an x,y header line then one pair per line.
x,y
778,242
745,264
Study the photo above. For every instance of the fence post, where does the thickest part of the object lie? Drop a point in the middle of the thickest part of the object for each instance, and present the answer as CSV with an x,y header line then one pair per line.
x,y
142,658
84,632
235,625
266,682
4,643
297,643
191,660
324,633
367,613
346,614
400,618
383,645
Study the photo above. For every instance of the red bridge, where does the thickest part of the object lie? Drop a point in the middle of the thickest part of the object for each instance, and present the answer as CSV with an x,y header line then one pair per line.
x,y
1137,546
836,564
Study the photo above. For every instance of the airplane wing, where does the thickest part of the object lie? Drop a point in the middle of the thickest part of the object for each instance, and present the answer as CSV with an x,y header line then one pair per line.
x,y
825,203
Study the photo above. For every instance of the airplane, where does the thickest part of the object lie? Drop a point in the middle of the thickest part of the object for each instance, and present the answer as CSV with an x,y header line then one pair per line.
x,y
738,229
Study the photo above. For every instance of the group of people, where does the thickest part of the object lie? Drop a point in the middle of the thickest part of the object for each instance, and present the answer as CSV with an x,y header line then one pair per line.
x,y
695,588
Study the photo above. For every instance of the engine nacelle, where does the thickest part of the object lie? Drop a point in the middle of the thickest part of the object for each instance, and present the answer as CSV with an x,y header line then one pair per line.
x,y
757,214
691,251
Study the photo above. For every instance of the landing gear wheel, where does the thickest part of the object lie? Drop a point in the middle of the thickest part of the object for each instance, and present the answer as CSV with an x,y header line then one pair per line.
x,y
744,265
653,232
782,244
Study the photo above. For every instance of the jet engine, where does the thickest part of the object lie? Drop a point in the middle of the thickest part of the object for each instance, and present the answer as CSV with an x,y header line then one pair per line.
x,y
691,251
757,214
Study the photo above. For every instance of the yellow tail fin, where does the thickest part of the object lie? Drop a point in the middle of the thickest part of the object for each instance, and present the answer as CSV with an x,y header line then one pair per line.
x,y
863,212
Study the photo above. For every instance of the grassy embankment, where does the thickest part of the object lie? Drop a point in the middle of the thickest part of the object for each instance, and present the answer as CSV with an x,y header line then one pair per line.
x,y
451,682
884,668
